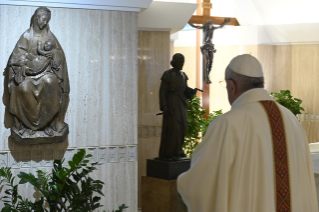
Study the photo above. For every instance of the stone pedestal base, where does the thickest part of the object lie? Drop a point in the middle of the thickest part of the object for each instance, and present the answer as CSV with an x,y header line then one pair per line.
x,y
161,196
166,170
39,137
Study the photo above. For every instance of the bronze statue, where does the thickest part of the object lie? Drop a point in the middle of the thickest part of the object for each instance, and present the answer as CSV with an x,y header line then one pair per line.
x,y
173,95
38,84
208,49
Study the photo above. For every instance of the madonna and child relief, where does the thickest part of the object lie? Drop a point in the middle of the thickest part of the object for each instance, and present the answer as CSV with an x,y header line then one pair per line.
x,y
38,84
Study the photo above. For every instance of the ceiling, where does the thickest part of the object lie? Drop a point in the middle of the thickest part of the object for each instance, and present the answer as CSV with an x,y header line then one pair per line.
x,y
267,21
264,12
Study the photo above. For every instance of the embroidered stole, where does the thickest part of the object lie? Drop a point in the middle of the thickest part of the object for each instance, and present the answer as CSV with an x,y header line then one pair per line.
x,y
280,153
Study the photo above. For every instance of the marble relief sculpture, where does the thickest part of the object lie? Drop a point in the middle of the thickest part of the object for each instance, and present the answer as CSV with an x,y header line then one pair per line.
x,y
38,84
208,48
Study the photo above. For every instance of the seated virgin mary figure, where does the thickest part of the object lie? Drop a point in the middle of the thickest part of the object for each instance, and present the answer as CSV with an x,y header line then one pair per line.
x,y
38,80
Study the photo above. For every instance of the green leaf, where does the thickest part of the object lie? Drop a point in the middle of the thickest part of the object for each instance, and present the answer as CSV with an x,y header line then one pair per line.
x,y
196,124
59,186
61,189
88,156
72,165
285,99
7,208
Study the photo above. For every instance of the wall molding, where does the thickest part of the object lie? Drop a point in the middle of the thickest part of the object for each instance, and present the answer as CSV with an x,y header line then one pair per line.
x,y
119,5
37,158
311,117
149,131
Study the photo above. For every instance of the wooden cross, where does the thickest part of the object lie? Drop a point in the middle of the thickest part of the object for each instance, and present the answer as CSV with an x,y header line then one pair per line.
x,y
201,18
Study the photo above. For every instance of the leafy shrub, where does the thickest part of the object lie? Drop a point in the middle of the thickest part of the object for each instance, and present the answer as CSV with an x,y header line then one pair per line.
x,y
197,124
285,99
121,208
65,189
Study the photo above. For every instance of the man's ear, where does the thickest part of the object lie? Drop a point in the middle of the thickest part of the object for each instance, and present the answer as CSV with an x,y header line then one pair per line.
x,y
233,87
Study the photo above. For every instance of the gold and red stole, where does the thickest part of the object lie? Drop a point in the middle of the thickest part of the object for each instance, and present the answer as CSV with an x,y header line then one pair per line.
x,y
280,153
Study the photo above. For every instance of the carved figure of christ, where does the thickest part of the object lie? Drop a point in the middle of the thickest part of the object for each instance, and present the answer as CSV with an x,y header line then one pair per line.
x,y
203,14
208,49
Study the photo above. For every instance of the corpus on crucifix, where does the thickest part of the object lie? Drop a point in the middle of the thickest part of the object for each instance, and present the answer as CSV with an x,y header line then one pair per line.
x,y
208,49
201,17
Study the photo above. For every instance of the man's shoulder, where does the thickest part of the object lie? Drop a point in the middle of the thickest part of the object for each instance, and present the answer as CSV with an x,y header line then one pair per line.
x,y
226,119
288,115
235,112
284,109
238,114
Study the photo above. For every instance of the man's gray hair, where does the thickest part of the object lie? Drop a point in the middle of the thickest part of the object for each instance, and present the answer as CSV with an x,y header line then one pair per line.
x,y
244,82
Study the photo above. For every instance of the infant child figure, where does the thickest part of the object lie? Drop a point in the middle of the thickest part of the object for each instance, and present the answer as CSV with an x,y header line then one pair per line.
x,y
48,48
33,65
49,56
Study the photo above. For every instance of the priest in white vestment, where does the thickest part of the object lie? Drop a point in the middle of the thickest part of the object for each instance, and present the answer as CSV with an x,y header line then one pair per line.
x,y
254,158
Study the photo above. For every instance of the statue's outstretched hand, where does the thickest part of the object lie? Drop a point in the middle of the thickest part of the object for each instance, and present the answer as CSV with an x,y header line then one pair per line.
x,y
196,89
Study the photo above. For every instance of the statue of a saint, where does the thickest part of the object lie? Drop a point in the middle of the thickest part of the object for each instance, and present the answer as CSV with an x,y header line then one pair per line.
x,y
173,95
38,83
208,49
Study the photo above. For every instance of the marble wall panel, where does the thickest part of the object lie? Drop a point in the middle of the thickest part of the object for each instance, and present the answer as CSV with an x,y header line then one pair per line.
x,y
305,66
283,68
266,57
153,60
101,49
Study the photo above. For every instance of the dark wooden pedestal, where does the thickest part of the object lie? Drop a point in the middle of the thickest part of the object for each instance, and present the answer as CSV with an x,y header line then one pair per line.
x,y
166,170
159,187
160,195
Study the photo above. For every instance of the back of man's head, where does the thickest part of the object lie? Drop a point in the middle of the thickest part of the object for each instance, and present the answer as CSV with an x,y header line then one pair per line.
x,y
246,71
243,73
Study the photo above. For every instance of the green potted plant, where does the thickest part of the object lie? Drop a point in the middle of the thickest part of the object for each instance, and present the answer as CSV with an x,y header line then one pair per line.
x,y
65,189
285,99
197,124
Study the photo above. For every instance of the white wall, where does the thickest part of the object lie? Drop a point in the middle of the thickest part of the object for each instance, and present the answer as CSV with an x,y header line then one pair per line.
x,y
101,49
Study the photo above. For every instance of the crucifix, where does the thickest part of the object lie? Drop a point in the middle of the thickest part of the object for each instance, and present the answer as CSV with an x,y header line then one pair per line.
x,y
207,49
